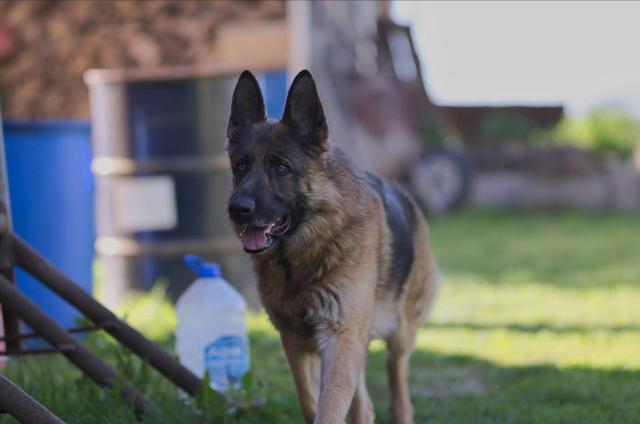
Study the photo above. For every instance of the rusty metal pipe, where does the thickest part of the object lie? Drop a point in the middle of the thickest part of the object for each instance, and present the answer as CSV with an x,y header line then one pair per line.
x,y
32,262
23,407
78,329
11,324
79,355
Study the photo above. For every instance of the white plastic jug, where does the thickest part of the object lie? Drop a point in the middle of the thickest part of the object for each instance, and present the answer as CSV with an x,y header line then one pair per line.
x,y
212,332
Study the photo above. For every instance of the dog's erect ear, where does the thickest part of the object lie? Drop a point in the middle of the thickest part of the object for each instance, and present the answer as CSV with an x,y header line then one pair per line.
x,y
247,106
303,110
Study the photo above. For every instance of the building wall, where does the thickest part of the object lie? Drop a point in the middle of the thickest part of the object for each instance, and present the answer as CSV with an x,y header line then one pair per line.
x,y
45,46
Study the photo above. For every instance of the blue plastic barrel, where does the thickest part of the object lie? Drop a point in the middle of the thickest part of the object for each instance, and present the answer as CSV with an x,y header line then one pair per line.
x,y
51,192
274,90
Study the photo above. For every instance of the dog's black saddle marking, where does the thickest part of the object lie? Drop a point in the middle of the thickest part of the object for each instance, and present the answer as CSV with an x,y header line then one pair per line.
x,y
401,218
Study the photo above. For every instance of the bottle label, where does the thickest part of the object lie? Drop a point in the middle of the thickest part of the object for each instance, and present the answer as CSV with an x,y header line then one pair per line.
x,y
226,360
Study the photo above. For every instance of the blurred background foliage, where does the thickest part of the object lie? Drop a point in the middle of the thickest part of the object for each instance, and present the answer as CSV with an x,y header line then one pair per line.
x,y
608,128
508,126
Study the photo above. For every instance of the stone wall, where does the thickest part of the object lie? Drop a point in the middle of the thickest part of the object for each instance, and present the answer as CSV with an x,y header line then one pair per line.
x,y
45,46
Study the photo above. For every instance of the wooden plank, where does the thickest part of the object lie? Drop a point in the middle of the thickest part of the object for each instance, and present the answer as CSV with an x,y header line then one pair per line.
x,y
257,46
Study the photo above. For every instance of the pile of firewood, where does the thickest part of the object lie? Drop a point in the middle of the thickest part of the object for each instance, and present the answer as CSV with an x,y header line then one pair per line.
x,y
45,46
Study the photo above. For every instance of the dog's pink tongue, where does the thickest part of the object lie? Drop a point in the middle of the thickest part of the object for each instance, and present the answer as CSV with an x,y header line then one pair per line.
x,y
253,238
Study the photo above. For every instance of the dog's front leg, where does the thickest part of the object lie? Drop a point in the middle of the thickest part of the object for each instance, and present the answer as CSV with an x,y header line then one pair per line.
x,y
343,358
305,368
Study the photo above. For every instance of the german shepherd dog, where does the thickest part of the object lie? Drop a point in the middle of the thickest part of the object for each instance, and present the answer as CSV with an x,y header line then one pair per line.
x,y
341,256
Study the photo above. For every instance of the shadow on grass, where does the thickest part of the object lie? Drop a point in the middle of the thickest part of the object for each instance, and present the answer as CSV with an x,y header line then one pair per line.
x,y
465,389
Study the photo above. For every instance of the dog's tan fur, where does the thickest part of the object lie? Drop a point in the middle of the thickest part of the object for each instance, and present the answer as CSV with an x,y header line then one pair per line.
x,y
331,284
340,256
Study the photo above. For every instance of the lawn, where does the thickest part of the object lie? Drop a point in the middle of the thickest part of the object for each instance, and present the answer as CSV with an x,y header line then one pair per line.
x,y
538,321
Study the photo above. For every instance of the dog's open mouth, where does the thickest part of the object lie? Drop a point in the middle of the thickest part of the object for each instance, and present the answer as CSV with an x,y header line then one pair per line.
x,y
257,239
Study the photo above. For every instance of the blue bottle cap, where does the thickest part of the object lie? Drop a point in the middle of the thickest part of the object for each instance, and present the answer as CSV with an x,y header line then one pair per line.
x,y
203,269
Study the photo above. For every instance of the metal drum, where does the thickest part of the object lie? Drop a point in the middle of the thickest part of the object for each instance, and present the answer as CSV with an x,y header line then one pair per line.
x,y
162,178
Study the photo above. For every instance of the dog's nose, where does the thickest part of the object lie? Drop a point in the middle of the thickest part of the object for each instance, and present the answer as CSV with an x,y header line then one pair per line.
x,y
242,205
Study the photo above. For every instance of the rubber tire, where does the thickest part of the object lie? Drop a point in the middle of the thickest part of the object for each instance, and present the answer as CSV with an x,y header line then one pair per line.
x,y
441,181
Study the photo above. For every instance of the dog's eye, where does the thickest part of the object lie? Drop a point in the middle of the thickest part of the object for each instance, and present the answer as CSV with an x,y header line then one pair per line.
x,y
282,168
241,167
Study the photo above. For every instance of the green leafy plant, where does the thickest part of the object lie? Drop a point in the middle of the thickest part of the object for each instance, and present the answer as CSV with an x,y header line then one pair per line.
x,y
606,129
235,404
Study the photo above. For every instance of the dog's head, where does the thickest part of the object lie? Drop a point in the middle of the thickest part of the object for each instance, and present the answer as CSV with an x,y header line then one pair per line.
x,y
271,160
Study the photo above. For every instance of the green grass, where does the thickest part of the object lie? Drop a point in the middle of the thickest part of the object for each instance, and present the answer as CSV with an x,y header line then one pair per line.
x,y
538,322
